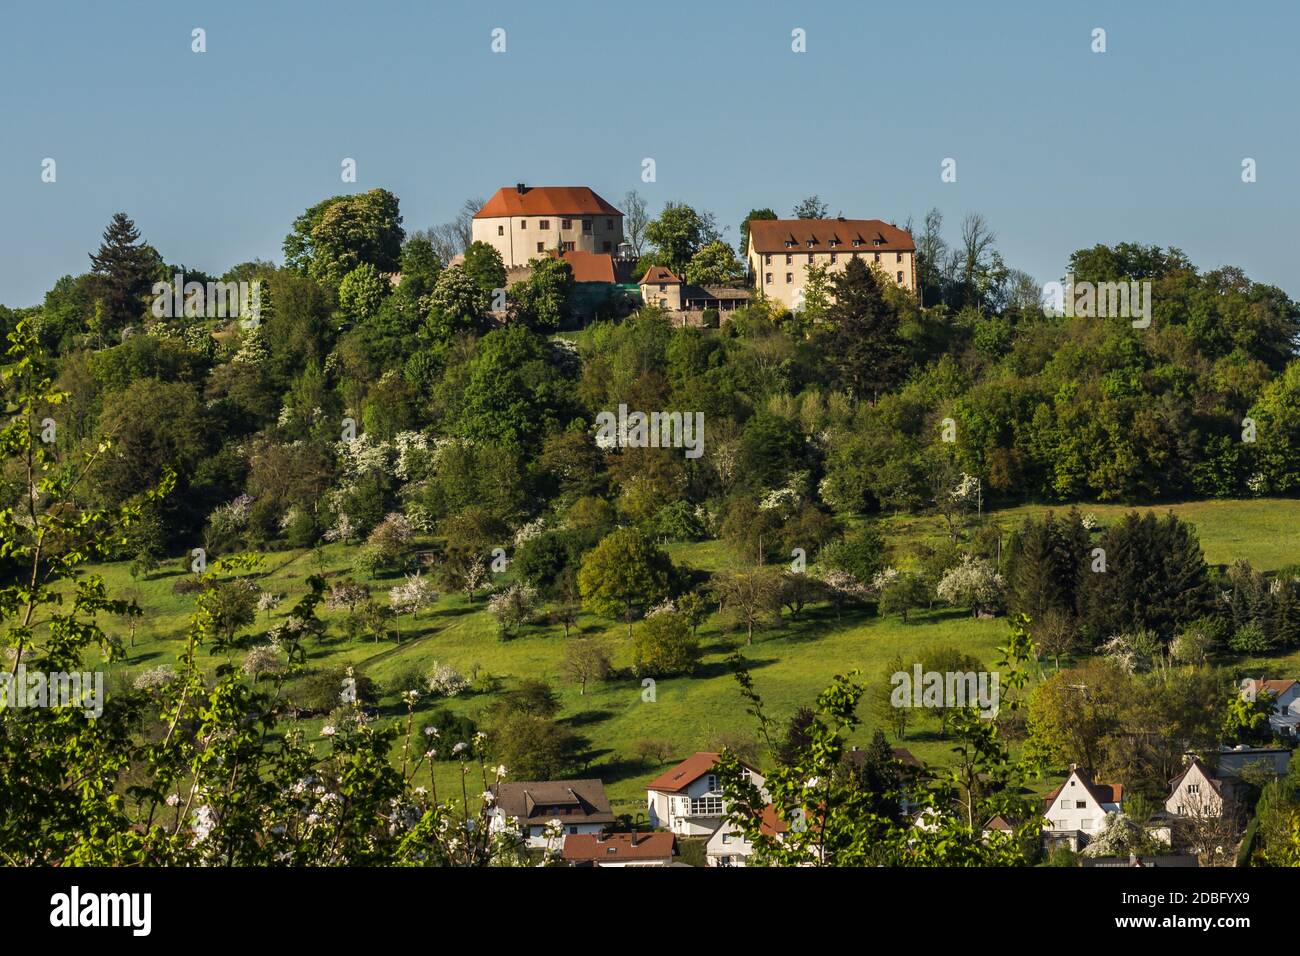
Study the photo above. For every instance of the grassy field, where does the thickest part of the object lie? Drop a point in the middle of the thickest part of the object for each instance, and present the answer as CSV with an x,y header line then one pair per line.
x,y
791,663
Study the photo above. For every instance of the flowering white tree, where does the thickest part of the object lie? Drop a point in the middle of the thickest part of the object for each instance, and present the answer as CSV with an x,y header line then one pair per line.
x,y
446,681
973,584
268,602
513,608
343,530
262,660
409,597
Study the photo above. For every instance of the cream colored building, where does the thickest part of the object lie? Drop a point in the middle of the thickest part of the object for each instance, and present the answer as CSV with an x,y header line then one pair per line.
x,y
525,222
781,250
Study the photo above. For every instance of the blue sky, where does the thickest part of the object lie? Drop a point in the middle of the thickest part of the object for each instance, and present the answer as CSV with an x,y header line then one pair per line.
x,y
214,154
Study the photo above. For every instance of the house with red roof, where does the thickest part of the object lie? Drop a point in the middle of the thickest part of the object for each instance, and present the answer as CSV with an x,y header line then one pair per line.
x,y
525,222
687,799
619,849
1285,717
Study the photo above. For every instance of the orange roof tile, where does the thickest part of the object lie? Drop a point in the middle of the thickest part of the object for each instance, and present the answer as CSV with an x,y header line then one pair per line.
x,y
584,847
659,275
545,201
791,235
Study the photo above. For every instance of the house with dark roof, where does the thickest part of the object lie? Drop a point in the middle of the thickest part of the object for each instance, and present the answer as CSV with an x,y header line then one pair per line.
x,y
1077,810
619,849
780,252
687,799
579,807
525,222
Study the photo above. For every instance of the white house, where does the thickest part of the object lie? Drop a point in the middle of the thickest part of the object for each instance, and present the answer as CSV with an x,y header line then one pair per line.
x,y
580,806
1077,809
688,798
1285,718
1195,793
728,847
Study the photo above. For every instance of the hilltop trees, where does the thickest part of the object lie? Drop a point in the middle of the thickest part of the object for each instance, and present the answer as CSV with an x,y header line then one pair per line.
x,y
338,234
678,234
124,270
864,346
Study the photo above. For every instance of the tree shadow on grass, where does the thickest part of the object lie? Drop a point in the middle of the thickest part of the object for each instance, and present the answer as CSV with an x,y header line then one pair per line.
x,y
585,718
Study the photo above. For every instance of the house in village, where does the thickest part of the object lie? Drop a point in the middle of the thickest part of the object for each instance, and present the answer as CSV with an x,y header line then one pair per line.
x,y
687,799
1284,721
580,806
1197,793
686,302
1233,760
780,251
1077,810
529,221
619,849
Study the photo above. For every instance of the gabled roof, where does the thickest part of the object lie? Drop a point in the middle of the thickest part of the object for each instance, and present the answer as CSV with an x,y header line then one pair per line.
x,y
687,772
616,847
1204,771
1103,793
539,801
659,275
790,235
545,201
1276,687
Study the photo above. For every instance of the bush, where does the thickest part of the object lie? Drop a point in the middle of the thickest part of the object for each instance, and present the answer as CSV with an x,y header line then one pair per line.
x,y
664,646
1250,639
321,692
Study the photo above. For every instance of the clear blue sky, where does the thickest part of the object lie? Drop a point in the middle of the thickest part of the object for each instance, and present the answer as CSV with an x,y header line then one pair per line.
x,y
213,155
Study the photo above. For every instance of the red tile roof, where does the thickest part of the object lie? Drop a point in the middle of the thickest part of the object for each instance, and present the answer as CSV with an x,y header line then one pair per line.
x,y
793,235
616,847
590,266
1276,687
685,773
545,201
657,275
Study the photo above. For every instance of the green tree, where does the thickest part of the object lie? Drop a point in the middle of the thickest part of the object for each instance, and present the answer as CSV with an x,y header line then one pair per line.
x,y
622,574
541,302
865,348
338,234
663,646
484,265
678,234
361,292
124,270
714,264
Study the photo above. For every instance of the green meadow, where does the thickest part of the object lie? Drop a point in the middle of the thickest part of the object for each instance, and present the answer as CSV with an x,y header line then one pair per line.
x,y
791,662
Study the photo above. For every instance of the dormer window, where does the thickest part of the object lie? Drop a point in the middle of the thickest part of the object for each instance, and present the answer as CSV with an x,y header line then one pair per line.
x,y
811,242
789,243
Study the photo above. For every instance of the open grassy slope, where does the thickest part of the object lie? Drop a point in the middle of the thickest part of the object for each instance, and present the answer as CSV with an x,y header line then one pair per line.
x,y
790,663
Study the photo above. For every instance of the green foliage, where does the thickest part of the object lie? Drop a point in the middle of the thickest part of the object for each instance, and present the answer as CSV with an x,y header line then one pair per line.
x,y
361,292
623,574
339,234
663,646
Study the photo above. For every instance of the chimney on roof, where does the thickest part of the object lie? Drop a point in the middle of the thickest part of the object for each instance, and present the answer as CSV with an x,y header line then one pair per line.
x,y
600,837
520,188
634,836
1073,767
